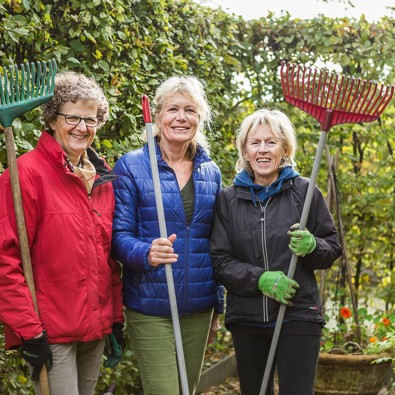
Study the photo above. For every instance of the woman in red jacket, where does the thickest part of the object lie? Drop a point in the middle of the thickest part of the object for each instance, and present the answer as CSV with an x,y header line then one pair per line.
x,y
68,205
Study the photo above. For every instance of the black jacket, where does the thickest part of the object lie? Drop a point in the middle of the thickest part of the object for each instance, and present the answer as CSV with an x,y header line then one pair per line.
x,y
249,239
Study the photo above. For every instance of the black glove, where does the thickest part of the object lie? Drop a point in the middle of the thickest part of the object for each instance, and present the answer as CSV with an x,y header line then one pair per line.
x,y
37,352
116,346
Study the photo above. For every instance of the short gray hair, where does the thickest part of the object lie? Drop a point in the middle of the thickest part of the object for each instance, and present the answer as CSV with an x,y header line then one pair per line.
x,y
72,87
281,127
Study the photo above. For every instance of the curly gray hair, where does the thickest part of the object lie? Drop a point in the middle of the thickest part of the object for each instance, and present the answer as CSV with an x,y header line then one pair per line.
x,y
72,87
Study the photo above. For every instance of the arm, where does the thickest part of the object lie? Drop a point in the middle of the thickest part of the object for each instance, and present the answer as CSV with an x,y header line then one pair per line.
x,y
16,304
126,245
321,225
240,278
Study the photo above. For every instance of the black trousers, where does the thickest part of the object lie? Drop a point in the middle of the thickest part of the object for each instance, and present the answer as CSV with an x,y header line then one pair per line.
x,y
296,360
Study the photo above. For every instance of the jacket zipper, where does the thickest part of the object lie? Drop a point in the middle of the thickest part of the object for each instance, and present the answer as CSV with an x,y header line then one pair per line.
x,y
264,254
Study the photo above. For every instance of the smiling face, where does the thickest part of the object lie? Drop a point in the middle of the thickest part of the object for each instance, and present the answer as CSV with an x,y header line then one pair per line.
x,y
75,139
264,152
178,120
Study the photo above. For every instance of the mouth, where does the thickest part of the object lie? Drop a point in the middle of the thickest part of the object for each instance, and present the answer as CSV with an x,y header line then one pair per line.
x,y
79,136
180,128
263,160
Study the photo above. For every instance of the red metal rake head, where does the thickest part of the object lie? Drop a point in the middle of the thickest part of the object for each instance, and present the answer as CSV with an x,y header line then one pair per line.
x,y
346,99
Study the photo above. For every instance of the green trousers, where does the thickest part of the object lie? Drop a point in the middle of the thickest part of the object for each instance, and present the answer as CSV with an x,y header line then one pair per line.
x,y
153,343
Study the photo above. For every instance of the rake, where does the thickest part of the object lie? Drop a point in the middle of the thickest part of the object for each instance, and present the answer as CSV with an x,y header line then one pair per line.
x,y
22,90
163,233
332,100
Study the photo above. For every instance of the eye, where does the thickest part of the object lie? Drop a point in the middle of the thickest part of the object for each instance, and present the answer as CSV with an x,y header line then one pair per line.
x,y
73,118
255,142
190,110
271,143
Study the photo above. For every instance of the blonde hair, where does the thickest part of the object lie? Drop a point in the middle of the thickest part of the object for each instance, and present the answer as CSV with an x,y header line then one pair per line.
x,y
281,127
193,88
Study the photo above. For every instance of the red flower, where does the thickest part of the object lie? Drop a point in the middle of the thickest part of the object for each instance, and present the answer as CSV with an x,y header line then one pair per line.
x,y
345,312
386,321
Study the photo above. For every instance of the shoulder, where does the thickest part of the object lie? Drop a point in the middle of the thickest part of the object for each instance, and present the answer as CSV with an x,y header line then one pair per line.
x,y
130,160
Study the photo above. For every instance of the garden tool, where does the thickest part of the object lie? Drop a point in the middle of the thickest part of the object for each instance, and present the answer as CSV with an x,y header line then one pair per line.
x,y
163,233
332,100
22,90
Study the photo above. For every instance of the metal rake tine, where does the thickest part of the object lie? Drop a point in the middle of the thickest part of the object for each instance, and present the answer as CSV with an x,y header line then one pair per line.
x,y
321,87
354,102
371,90
344,115
375,98
386,99
282,76
303,82
361,94
327,94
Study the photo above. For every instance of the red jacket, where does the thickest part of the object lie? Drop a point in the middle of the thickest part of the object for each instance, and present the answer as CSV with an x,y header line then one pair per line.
x,y
77,283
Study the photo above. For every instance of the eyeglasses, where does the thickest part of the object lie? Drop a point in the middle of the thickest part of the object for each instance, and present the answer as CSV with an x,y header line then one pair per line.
x,y
74,120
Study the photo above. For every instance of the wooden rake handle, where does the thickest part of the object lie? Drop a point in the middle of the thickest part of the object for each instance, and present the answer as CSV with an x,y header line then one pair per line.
x,y
22,234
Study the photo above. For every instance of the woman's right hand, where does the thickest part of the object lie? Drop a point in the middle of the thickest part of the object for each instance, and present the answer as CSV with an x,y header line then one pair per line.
x,y
162,251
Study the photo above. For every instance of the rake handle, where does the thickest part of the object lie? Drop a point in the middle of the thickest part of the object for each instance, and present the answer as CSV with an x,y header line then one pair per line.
x,y
163,233
294,259
22,234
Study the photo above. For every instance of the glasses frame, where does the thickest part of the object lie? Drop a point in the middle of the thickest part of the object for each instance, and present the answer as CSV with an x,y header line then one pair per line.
x,y
98,120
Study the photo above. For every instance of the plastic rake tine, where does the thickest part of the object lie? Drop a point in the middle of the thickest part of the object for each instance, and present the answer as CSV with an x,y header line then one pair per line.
x,y
163,233
333,106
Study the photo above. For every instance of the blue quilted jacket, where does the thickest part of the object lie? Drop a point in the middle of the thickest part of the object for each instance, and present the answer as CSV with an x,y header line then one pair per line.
x,y
136,225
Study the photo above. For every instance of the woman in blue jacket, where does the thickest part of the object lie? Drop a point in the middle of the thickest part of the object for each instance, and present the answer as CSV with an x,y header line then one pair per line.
x,y
190,182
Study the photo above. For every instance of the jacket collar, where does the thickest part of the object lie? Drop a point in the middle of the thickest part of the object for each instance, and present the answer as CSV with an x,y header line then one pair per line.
x,y
54,152
201,155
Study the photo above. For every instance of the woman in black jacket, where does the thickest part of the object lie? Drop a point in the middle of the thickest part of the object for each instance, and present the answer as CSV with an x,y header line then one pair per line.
x,y
254,235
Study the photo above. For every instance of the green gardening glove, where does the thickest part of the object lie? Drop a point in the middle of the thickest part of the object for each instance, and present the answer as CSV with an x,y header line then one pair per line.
x,y
116,353
302,241
277,286
116,346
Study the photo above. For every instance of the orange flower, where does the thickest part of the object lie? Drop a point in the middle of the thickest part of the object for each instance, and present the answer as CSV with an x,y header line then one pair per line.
x,y
386,321
372,339
345,312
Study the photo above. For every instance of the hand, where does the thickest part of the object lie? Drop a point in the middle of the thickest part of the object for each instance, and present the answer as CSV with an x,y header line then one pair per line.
x,y
116,347
162,251
278,286
302,241
37,352
214,327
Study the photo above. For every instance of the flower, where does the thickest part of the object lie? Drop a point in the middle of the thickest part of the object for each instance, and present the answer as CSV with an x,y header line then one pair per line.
x,y
345,312
343,336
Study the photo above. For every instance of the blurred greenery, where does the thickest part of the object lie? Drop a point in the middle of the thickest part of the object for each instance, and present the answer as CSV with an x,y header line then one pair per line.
x,y
130,46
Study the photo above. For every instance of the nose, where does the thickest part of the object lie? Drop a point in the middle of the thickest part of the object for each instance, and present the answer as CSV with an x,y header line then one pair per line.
x,y
181,115
263,146
81,125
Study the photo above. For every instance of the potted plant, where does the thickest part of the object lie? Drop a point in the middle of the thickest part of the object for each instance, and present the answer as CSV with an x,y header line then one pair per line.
x,y
350,365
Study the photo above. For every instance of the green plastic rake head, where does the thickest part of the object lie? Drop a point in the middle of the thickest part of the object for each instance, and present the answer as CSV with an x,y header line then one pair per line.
x,y
26,88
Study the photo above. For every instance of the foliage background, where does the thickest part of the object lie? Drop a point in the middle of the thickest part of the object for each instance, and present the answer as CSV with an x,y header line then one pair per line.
x,y
130,46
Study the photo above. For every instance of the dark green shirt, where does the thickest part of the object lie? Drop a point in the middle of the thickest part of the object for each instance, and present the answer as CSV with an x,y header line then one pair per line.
x,y
187,194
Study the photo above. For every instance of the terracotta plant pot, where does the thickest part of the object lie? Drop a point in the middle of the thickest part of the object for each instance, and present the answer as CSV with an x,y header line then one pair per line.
x,y
350,374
